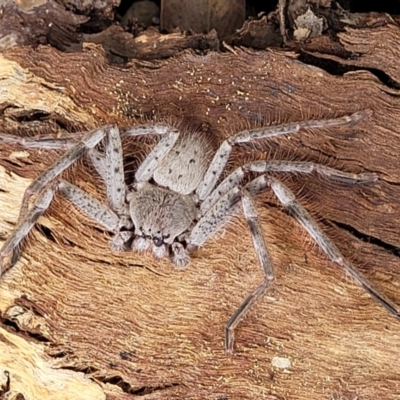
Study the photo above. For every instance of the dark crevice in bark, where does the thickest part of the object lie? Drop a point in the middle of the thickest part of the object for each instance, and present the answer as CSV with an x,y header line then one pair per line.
x,y
46,232
137,391
14,326
383,6
86,370
120,382
335,68
5,388
368,238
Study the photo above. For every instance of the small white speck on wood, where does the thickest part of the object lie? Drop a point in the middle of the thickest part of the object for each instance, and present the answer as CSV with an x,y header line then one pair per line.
x,y
281,362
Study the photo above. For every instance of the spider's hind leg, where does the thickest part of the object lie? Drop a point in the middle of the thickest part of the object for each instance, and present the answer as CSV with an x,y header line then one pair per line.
x,y
288,200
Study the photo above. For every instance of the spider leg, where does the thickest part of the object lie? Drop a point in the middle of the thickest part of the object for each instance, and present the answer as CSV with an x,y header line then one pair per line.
x,y
24,226
226,206
49,142
253,221
90,140
222,155
89,205
115,177
213,219
100,213
110,167
288,200
27,218
170,135
249,135
115,184
99,162
236,177
215,169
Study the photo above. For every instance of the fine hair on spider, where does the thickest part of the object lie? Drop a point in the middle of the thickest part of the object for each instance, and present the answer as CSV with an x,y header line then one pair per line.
x,y
182,194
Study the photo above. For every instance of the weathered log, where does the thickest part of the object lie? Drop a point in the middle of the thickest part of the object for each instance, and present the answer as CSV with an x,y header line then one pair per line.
x,y
136,326
48,23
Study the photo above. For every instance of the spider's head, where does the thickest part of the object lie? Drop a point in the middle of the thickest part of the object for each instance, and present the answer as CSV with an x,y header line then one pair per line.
x,y
177,251
158,241
160,216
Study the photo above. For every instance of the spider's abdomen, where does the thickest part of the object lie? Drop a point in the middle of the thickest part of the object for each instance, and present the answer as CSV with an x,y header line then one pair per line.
x,y
161,213
183,168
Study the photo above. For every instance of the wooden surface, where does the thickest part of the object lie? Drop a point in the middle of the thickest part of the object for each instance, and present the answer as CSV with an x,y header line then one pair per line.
x,y
120,326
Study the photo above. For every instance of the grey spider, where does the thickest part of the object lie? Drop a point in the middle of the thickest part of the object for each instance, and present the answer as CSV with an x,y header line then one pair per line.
x,y
178,199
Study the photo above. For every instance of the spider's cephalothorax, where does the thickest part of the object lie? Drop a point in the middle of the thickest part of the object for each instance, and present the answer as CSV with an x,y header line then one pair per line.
x,y
178,200
160,216
163,211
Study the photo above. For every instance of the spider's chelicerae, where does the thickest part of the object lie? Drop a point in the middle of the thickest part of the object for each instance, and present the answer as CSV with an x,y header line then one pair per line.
x,y
178,200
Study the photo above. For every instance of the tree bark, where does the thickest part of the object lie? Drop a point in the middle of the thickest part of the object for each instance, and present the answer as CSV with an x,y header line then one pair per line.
x,y
80,321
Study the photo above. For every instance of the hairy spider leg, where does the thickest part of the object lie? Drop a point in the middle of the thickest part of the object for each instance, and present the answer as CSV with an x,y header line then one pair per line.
x,y
222,155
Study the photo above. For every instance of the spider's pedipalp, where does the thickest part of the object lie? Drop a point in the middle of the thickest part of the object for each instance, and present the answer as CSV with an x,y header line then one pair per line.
x,y
179,255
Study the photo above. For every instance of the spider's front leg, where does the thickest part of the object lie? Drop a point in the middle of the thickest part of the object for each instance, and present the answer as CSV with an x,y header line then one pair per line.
x,y
249,135
216,217
257,235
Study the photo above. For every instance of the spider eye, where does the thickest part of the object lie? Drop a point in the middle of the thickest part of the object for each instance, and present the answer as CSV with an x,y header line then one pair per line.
x,y
158,241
